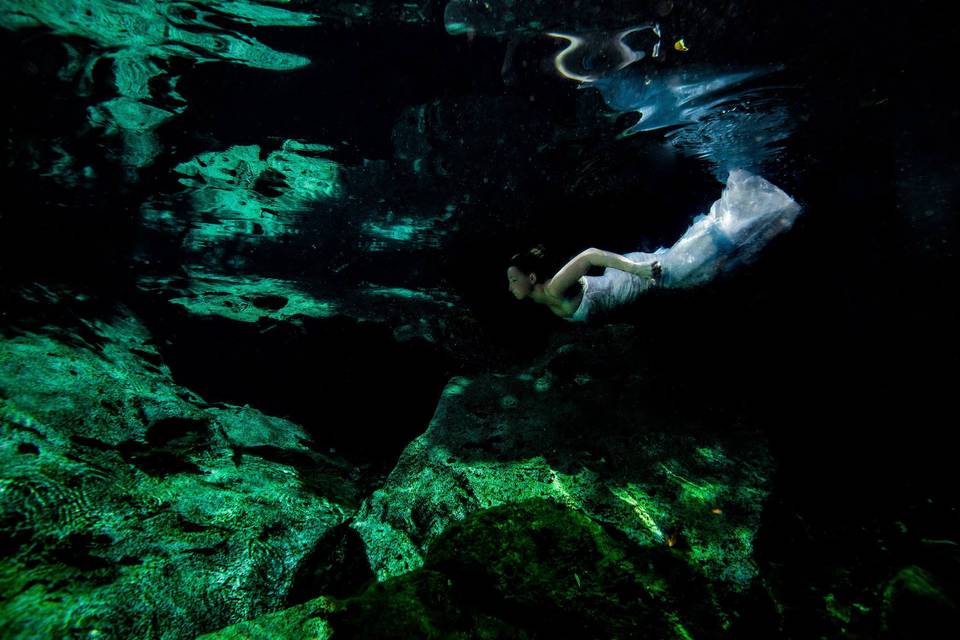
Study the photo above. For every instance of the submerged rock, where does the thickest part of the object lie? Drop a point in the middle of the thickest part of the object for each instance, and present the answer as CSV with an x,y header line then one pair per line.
x,y
429,315
131,508
918,603
562,497
531,569
577,428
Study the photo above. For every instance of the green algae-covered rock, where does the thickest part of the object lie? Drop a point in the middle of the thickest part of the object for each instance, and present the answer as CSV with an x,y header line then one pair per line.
x,y
307,621
918,603
237,193
139,40
576,428
143,41
430,315
532,569
131,509
556,572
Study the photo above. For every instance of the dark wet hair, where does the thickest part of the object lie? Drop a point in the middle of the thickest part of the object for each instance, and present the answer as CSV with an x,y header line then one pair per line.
x,y
533,260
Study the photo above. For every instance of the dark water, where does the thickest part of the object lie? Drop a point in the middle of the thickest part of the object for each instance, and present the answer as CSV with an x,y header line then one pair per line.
x,y
455,150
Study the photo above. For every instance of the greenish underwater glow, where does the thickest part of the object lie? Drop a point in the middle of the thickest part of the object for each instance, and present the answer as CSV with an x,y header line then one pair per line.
x,y
647,510
226,187
237,297
422,231
456,386
142,39
434,296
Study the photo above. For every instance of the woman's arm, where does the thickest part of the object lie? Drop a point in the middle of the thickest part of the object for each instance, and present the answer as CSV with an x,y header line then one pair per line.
x,y
571,272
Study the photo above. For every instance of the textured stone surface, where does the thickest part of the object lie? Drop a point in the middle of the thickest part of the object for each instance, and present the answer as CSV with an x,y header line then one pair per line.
x,y
141,39
531,569
144,41
574,428
131,508
236,192
430,315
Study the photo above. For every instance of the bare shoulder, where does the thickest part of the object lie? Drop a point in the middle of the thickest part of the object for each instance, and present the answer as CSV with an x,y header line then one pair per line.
x,y
566,304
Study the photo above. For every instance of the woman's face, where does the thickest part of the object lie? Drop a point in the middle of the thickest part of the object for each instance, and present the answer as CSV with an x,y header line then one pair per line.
x,y
520,283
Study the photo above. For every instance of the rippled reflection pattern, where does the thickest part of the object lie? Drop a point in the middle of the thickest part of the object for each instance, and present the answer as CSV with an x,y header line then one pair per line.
x,y
588,57
722,117
140,39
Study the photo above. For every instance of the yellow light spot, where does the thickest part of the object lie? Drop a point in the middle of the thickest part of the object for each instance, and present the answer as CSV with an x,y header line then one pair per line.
x,y
679,45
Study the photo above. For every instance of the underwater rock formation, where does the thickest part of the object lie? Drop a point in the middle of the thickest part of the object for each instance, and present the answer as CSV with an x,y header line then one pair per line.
x,y
142,42
573,428
235,192
429,315
145,44
531,569
129,507
228,504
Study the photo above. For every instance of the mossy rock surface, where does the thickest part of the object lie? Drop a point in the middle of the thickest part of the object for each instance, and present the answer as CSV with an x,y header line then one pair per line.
x,y
535,569
129,507
583,427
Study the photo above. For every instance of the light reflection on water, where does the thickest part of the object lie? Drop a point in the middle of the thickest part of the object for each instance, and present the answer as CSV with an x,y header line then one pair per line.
x,y
734,119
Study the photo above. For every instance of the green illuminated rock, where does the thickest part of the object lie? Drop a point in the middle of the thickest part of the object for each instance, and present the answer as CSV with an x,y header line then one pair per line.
x,y
129,508
425,314
532,569
157,27
582,441
141,39
238,194
241,299
308,620
921,603
392,231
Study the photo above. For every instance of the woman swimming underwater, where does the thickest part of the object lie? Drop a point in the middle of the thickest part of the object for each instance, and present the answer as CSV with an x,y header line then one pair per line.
x,y
750,212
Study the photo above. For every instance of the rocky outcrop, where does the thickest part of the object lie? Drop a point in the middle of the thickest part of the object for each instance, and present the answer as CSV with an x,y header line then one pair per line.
x,y
129,507
577,428
428,315
530,569
541,566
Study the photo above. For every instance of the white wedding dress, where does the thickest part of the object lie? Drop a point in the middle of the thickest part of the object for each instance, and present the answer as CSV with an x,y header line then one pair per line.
x,y
750,212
